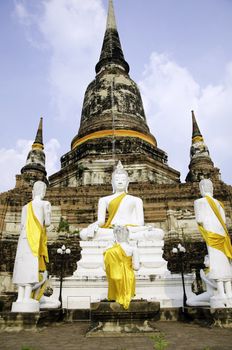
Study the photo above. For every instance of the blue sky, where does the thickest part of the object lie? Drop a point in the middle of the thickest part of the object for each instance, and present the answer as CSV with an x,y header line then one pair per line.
x,y
179,51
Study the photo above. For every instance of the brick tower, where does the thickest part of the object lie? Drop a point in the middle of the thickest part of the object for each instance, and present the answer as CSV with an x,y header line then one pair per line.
x,y
113,126
201,165
34,169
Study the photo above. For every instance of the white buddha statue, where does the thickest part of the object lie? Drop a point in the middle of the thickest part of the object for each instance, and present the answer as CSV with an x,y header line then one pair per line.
x,y
123,210
32,254
210,216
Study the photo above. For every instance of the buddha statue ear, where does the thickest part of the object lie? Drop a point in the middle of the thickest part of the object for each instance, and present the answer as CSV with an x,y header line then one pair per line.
x,y
112,184
127,185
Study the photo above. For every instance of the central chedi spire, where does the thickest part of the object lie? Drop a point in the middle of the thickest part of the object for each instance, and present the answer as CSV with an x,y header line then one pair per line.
x,y
112,105
113,125
111,48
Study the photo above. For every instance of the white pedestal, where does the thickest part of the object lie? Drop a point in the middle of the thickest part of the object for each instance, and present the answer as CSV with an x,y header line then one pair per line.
x,y
25,307
78,293
153,280
217,302
150,252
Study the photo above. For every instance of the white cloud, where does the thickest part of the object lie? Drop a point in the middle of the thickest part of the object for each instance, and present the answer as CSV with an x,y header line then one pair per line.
x,y
22,14
170,92
69,29
12,160
51,149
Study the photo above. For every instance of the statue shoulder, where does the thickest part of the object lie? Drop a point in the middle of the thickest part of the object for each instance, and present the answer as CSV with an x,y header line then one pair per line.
x,y
199,201
47,204
42,204
105,198
135,199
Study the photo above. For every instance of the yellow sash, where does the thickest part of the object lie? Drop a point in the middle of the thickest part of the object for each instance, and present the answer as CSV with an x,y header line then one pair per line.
x,y
113,208
120,275
216,240
37,238
38,293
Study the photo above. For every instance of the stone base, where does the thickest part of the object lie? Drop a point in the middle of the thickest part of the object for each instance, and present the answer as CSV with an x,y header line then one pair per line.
x,y
112,320
6,300
121,329
112,311
25,307
79,293
209,317
16,321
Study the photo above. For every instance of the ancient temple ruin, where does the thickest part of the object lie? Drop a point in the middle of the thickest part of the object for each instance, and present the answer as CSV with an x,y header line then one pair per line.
x,y
113,127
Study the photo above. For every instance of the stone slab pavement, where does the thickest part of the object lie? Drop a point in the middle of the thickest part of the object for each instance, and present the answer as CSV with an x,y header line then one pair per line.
x,y
71,336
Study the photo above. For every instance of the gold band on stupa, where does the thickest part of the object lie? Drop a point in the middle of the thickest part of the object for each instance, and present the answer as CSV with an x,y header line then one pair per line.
x,y
37,146
120,133
197,139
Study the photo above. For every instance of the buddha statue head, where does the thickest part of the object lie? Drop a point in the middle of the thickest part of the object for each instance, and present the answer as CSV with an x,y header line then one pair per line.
x,y
121,234
206,187
120,179
39,189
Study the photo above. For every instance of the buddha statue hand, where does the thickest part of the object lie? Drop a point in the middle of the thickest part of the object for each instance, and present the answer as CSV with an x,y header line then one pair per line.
x,y
153,234
39,284
89,232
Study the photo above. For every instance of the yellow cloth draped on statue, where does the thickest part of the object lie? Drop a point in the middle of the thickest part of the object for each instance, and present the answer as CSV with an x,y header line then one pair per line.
x,y
120,275
38,293
37,238
113,208
216,240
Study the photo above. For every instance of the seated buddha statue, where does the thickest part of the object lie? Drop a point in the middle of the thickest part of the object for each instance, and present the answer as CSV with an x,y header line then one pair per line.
x,y
120,209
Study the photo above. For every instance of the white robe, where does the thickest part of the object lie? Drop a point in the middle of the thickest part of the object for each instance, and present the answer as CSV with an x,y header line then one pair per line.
x,y
26,264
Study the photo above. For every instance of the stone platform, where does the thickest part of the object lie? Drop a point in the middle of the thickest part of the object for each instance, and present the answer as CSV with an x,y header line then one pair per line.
x,y
210,317
111,319
203,316
79,293
138,310
16,321
154,283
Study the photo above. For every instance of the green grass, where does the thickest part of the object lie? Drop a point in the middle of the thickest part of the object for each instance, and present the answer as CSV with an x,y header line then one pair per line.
x,y
159,342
